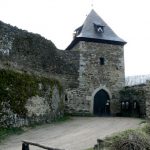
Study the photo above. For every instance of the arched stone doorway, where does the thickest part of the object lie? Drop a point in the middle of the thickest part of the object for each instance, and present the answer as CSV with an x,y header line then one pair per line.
x,y
101,103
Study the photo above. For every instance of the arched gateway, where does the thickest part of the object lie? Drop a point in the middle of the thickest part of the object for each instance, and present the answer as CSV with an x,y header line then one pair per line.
x,y
101,103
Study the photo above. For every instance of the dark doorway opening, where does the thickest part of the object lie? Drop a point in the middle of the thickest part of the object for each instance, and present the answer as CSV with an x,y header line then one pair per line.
x,y
101,103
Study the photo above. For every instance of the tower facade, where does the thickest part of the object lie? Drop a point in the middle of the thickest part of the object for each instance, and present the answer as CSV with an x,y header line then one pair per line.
x,y
101,69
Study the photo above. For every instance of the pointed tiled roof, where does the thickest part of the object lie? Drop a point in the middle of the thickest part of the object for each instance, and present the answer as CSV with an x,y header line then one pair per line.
x,y
94,29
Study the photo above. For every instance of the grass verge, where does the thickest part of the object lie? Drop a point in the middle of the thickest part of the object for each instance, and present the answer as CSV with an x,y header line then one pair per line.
x,y
5,132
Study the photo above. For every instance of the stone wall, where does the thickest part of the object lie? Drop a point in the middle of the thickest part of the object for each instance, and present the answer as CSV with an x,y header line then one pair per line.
x,y
140,94
33,53
93,76
135,97
29,99
30,53
148,99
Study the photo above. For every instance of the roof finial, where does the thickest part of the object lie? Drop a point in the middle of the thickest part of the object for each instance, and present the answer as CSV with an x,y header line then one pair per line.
x,y
92,4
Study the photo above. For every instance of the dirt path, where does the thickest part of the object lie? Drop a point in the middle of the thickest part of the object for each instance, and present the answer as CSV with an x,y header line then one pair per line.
x,y
78,133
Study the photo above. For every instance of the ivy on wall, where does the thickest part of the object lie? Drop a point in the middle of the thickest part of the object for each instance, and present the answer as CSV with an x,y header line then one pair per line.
x,y
132,93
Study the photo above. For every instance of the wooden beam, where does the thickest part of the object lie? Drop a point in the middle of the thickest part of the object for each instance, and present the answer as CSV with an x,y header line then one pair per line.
x,y
42,146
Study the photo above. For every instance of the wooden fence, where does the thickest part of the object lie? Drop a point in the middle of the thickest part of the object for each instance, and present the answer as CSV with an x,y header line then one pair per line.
x,y
25,146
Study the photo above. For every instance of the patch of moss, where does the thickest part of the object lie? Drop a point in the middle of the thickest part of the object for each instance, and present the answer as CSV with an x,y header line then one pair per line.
x,y
5,132
16,88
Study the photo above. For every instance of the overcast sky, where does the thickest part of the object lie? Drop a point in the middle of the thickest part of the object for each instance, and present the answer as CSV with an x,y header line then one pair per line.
x,y
57,19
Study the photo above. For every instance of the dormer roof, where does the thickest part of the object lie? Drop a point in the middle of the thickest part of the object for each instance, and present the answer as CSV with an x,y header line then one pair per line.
x,y
94,29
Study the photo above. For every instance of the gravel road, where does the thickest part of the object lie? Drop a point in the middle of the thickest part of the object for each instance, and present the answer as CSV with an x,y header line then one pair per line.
x,y
77,133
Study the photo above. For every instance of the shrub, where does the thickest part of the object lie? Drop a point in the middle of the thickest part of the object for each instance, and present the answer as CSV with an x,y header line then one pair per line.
x,y
146,128
129,140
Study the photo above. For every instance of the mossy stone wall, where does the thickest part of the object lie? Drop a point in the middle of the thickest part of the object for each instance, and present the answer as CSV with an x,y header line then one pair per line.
x,y
30,52
26,99
131,95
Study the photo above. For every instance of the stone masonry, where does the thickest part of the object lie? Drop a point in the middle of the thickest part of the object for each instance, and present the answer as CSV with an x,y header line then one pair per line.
x,y
93,76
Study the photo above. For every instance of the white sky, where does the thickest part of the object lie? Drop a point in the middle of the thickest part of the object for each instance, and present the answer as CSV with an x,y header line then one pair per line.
x,y
57,19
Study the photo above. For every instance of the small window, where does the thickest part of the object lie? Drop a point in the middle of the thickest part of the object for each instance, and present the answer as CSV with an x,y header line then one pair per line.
x,y
99,28
66,98
122,105
102,61
125,105
134,105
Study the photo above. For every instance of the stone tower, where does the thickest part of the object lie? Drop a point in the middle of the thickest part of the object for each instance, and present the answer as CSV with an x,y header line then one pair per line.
x,y
101,69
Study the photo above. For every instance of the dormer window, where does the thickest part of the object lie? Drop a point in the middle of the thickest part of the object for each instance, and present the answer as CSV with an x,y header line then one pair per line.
x,y
99,28
77,31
